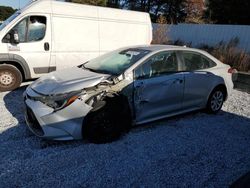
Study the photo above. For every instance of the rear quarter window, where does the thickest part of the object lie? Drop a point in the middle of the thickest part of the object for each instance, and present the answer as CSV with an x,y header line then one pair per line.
x,y
195,61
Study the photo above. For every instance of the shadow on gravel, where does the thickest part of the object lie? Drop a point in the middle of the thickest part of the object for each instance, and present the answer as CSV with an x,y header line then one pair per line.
x,y
191,150
14,103
242,182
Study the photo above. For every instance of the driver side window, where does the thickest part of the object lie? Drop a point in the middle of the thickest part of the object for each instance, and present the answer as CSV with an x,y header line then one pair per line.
x,y
29,29
160,64
21,29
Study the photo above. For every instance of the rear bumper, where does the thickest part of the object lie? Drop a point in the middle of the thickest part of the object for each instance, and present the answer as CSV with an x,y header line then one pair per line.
x,y
230,87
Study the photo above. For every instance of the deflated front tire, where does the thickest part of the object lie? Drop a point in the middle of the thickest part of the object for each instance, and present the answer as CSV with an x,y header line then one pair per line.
x,y
108,120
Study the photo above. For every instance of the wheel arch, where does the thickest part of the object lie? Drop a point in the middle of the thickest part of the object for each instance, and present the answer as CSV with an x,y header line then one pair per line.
x,y
112,97
17,65
222,87
109,100
18,62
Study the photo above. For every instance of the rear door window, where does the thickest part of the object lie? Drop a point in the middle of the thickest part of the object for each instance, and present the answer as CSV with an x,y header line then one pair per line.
x,y
193,61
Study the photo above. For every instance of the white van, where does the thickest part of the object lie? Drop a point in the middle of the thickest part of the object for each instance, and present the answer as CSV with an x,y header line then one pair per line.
x,y
50,35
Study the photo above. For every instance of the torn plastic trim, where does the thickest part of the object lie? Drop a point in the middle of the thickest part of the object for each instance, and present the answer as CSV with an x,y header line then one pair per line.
x,y
90,95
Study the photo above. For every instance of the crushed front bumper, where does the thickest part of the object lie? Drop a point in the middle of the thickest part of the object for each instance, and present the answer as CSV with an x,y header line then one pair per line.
x,y
43,121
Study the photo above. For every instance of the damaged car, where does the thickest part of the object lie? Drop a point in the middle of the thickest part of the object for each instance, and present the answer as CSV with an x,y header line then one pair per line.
x,y
103,98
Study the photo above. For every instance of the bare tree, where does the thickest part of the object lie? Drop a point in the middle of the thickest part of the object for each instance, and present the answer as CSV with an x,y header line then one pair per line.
x,y
161,32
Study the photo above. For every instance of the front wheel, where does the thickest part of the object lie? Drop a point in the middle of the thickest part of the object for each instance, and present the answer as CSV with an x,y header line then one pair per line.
x,y
215,101
10,78
108,122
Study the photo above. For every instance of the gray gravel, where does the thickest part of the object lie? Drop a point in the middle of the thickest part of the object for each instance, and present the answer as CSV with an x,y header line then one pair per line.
x,y
192,150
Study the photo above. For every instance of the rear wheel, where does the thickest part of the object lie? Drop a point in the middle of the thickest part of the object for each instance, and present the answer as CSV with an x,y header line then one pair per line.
x,y
216,100
10,78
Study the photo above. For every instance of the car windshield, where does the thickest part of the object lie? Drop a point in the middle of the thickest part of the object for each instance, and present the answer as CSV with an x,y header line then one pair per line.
x,y
10,19
116,62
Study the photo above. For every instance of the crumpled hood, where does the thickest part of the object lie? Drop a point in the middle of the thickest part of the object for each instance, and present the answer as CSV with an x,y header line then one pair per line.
x,y
67,80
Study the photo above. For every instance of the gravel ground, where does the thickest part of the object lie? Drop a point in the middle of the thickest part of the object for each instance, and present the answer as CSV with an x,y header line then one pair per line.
x,y
192,150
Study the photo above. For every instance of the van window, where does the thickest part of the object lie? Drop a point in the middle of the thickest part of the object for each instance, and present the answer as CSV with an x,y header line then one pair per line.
x,y
37,28
21,28
31,29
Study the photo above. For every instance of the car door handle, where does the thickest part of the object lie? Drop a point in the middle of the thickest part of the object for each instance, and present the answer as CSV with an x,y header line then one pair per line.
x,y
178,81
144,101
46,46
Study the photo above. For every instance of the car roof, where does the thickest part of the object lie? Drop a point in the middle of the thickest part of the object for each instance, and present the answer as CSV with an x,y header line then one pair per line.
x,y
165,47
157,47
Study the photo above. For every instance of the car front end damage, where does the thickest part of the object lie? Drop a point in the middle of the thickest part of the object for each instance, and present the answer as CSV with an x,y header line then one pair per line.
x,y
57,124
61,116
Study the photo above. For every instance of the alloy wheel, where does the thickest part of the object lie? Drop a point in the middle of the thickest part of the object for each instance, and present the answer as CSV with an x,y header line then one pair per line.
x,y
217,100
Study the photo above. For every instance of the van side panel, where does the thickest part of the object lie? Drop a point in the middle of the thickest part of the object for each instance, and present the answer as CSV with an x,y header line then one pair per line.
x,y
75,40
123,28
75,35
117,34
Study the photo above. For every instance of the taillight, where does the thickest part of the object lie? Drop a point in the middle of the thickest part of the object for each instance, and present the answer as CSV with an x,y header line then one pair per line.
x,y
231,70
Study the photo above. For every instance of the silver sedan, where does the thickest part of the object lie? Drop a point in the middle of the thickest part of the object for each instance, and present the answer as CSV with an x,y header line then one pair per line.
x,y
101,99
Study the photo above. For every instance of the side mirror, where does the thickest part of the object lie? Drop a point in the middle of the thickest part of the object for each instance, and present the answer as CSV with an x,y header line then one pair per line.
x,y
14,37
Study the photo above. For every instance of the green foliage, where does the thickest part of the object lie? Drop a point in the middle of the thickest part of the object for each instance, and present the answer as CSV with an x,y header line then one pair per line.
x,y
229,11
173,10
115,3
5,12
90,2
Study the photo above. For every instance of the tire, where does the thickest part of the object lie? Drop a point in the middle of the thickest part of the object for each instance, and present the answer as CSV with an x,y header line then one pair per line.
x,y
216,100
108,123
10,78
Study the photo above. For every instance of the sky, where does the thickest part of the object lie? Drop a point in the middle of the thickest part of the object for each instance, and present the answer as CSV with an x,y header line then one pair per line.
x,y
14,3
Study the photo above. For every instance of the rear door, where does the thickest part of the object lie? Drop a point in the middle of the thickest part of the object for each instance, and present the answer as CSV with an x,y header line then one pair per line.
x,y
158,87
198,79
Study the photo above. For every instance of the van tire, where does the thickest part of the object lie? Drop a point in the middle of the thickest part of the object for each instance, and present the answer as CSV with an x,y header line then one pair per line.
x,y
10,77
108,123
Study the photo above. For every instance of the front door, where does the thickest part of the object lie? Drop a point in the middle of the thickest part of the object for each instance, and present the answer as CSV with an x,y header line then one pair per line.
x,y
34,43
158,87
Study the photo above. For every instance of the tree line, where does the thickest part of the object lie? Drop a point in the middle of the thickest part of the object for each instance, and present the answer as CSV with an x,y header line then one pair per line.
x,y
5,12
179,11
175,11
